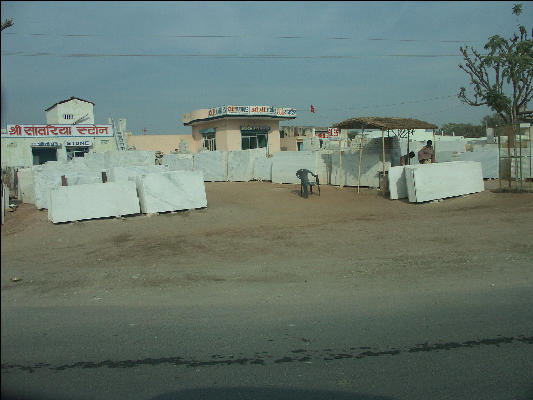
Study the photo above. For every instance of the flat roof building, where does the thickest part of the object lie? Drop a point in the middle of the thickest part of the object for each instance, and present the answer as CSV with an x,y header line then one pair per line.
x,y
237,127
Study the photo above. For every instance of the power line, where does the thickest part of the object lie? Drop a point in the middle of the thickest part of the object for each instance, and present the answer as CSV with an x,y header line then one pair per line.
x,y
222,36
228,56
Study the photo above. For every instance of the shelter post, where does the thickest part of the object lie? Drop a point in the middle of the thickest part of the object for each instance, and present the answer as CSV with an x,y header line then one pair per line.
x,y
434,145
360,160
340,161
383,148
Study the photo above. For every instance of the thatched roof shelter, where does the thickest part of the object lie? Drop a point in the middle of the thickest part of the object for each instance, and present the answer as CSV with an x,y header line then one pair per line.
x,y
383,123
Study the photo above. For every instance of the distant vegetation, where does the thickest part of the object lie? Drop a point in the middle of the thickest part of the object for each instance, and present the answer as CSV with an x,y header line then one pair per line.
x,y
471,130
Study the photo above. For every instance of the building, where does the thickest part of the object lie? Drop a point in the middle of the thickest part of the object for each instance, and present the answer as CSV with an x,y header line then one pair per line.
x,y
69,132
237,127
163,143
292,137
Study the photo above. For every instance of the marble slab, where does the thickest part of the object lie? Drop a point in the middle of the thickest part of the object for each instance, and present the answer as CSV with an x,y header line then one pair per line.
x,y
178,162
118,174
489,160
397,185
426,182
119,158
213,165
25,184
171,191
286,163
263,169
99,200
241,165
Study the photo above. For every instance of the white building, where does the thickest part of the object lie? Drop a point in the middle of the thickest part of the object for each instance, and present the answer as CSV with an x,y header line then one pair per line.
x,y
73,111
69,132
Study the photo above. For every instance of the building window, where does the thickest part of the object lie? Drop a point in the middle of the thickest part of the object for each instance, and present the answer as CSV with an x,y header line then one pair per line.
x,y
68,116
254,139
209,139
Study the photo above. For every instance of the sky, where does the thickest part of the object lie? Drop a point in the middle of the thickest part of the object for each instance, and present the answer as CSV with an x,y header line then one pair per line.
x,y
152,62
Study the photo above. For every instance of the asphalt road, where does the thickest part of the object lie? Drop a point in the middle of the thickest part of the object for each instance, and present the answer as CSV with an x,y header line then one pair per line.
x,y
465,344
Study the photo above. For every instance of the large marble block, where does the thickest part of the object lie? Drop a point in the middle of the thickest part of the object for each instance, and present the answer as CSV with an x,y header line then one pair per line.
x,y
426,182
213,165
489,160
47,177
99,200
119,158
263,169
241,165
397,185
371,166
171,191
178,162
25,184
118,174
286,163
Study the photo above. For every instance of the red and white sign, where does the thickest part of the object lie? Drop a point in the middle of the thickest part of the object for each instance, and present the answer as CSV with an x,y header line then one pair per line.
x,y
42,131
321,134
333,132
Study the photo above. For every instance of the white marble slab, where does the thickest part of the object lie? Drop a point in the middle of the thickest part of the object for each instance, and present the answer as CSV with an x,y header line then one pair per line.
x,y
178,162
263,169
100,200
213,165
241,165
426,182
489,160
48,176
171,191
25,183
119,158
119,174
397,185
286,163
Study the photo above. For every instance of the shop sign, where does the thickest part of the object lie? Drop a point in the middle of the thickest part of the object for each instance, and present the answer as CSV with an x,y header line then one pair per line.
x,y
80,143
321,134
267,111
255,128
333,132
45,144
32,131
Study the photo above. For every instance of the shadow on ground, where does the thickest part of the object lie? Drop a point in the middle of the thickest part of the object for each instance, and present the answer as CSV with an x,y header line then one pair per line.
x,y
246,393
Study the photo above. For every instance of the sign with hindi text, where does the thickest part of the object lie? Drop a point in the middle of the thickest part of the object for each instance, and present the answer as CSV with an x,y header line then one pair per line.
x,y
57,131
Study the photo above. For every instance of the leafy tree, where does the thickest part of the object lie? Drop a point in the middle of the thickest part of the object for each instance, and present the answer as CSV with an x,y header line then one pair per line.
x,y
466,130
501,78
7,23
492,121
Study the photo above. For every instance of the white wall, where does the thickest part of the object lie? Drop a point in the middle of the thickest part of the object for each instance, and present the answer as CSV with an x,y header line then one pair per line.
x,y
75,107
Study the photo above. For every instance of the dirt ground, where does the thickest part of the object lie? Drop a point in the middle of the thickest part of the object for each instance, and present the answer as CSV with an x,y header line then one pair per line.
x,y
262,241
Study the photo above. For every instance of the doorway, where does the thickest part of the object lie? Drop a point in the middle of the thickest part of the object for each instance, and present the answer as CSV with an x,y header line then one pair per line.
x,y
43,154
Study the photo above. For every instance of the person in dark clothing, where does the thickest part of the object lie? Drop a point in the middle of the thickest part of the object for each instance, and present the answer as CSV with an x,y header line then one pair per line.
x,y
426,155
403,159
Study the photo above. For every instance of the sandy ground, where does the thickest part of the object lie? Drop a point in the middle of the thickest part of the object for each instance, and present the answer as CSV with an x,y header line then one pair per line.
x,y
260,242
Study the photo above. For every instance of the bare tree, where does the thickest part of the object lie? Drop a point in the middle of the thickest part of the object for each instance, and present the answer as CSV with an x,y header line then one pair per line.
x,y
501,78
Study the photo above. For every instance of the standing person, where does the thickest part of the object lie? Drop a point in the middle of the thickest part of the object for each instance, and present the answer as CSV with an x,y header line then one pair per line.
x,y
403,159
426,155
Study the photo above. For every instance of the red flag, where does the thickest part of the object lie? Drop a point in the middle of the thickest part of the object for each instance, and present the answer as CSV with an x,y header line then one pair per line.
x,y
312,109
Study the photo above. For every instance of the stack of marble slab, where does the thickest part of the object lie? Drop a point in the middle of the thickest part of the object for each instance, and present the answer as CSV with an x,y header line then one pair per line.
x,y
426,182
171,191
119,158
213,165
178,162
48,176
286,163
371,166
397,184
90,201
130,173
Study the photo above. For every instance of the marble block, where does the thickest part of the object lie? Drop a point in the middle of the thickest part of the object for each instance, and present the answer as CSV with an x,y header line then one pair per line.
x,y
47,177
25,183
178,162
263,169
118,174
489,160
426,182
286,163
213,165
119,158
171,191
371,166
241,165
397,185
99,200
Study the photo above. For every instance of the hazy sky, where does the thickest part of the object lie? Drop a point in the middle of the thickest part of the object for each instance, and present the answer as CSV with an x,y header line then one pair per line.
x,y
151,62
